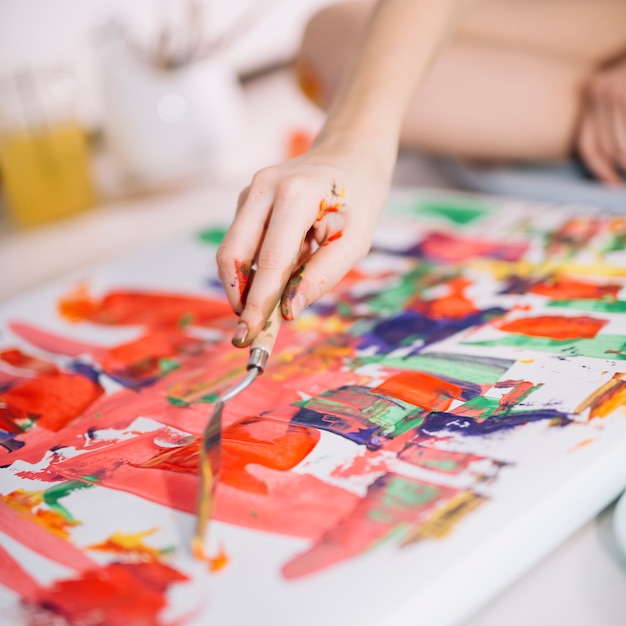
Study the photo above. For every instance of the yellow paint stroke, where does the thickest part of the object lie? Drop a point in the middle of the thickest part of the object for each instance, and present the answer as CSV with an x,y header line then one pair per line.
x,y
606,399
130,544
500,270
28,503
442,522
526,361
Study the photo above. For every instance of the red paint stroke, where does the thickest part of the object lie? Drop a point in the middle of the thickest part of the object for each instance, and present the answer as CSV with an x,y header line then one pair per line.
x,y
445,461
393,504
449,248
333,237
573,235
454,305
368,463
55,344
52,400
243,271
557,327
270,443
24,530
117,594
292,504
424,390
325,208
125,308
15,577
569,288
20,360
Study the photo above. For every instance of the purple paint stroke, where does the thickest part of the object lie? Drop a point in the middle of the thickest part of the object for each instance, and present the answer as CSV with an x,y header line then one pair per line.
x,y
410,326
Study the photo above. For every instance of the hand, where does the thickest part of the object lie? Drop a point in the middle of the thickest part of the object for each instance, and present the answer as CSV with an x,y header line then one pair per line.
x,y
299,227
602,135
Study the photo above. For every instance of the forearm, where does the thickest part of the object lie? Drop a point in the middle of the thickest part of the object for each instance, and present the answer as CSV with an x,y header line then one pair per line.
x,y
400,41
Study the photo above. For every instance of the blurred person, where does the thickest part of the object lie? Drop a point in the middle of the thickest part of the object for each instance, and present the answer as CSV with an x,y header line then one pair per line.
x,y
497,80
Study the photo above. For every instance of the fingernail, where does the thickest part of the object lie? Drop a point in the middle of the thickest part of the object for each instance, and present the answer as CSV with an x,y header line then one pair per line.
x,y
297,305
240,336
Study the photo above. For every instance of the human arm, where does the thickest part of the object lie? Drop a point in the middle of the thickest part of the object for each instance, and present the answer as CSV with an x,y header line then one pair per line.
x,y
282,212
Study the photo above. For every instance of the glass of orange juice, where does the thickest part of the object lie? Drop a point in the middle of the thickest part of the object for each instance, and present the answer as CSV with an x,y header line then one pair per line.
x,y
44,158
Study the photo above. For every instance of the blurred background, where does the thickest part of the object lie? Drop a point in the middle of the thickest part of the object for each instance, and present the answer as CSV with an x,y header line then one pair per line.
x,y
124,123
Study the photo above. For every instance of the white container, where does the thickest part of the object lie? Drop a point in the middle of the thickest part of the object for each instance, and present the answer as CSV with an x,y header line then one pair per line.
x,y
164,124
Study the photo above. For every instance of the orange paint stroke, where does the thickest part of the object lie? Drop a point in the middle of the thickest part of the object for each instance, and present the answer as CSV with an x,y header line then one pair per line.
x,y
454,305
556,327
28,505
420,389
606,399
568,288
582,444
142,308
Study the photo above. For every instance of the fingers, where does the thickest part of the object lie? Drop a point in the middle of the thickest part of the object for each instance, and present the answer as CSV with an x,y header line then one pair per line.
x,y
266,241
602,136
323,270
594,153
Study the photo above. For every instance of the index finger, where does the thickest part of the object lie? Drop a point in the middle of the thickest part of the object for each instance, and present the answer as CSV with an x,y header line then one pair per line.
x,y
289,221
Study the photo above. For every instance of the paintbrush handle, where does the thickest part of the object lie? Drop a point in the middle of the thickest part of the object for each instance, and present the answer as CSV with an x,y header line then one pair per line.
x,y
263,344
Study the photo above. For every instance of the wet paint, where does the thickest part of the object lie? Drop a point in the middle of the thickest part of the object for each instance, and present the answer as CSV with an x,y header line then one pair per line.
x,y
119,594
459,211
604,346
606,399
448,248
212,236
557,327
243,272
394,506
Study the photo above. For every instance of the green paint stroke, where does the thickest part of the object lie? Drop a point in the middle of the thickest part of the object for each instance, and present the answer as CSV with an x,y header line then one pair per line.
x,y
177,402
462,367
168,365
52,496
212,236
600,347
401,493
459,211
595,306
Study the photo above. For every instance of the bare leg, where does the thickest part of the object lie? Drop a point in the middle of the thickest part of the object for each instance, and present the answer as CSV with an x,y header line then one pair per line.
x,y
509,86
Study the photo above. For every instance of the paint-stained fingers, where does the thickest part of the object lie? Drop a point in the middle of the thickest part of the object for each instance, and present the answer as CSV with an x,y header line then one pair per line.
x,y
236,254
324,269
590,149
276,259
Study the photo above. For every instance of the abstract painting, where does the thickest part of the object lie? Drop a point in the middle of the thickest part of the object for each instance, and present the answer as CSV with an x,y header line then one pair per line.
x,y
450,412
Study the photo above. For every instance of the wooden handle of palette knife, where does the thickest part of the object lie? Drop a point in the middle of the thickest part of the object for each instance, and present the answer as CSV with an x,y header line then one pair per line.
x,y
266,339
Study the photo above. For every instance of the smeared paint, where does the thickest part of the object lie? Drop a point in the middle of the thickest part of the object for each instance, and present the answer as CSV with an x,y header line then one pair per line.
x,y
607,399
243,271
394,505
557,327
449,248
117,594
602,346
459,211
131,546
141,308
212,236
565,288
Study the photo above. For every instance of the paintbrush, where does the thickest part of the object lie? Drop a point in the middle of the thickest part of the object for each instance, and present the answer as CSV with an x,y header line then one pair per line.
x,y
210,460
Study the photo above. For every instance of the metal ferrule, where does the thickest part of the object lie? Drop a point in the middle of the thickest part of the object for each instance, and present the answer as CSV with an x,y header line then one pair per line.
x,y
258,359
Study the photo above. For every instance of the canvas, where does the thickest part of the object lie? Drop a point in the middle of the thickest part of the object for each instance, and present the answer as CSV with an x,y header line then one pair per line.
x,y
449,413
